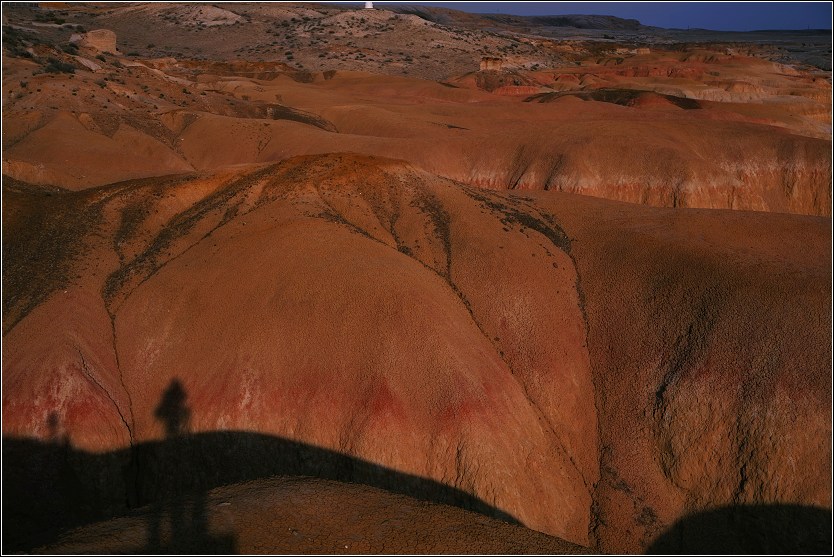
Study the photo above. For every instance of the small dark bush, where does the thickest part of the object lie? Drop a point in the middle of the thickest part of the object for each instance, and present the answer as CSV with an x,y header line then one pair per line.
x,y
53,65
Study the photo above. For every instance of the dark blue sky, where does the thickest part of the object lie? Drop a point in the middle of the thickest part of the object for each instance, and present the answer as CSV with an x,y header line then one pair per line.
x,y
722,16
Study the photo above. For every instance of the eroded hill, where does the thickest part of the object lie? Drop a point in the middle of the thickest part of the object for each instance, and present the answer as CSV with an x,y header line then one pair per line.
x,y
595,370
259,241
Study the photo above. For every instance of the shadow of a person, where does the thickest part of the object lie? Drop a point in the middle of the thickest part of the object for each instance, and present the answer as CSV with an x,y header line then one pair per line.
x,y
172,411
175,417
177,499
69,489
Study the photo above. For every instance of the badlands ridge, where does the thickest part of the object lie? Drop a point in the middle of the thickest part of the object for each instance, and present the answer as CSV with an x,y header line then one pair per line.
x,y
572,295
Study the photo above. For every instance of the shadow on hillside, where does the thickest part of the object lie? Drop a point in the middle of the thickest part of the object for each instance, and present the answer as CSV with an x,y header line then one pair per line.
x,y
50,487
750,529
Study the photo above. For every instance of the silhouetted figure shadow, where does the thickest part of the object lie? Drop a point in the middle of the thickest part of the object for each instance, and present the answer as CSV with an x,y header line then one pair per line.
x,y
172,411
70,488
53,425
188,530
51,487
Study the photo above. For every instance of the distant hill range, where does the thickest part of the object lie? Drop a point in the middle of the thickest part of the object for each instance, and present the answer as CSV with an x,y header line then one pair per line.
x,y
510,22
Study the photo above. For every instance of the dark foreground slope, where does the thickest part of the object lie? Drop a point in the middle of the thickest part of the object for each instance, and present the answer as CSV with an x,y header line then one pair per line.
x,y
281,502
596,371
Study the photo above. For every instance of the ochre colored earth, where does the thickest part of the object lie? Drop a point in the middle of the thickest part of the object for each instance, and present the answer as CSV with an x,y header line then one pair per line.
x,y
527,296
709,126
595,370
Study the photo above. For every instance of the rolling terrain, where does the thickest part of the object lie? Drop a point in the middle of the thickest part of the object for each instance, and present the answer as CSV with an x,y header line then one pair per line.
x,y
709,126
527,294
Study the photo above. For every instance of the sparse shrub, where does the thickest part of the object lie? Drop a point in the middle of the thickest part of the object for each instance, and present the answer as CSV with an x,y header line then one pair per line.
x,y
70,48
53,65
101,57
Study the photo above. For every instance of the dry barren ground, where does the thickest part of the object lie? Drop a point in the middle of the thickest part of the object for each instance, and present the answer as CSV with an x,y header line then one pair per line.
x,y
485,289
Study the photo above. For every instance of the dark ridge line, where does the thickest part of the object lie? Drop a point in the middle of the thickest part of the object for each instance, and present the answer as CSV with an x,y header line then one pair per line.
x,y
54,240
179,226
621,97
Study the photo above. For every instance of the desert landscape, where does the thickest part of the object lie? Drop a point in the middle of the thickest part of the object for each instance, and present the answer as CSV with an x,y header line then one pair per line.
x,y
313,278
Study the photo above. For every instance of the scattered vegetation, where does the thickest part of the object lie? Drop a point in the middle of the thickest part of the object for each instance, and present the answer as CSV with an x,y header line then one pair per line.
x,y
49,17
53,65
17,41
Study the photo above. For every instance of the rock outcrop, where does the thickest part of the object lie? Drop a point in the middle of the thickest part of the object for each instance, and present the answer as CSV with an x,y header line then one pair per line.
x,y
101,40
491,64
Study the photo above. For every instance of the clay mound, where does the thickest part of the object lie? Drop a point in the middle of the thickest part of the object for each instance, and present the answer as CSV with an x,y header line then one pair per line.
x,y
305,515
355,318
695,374
440,363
